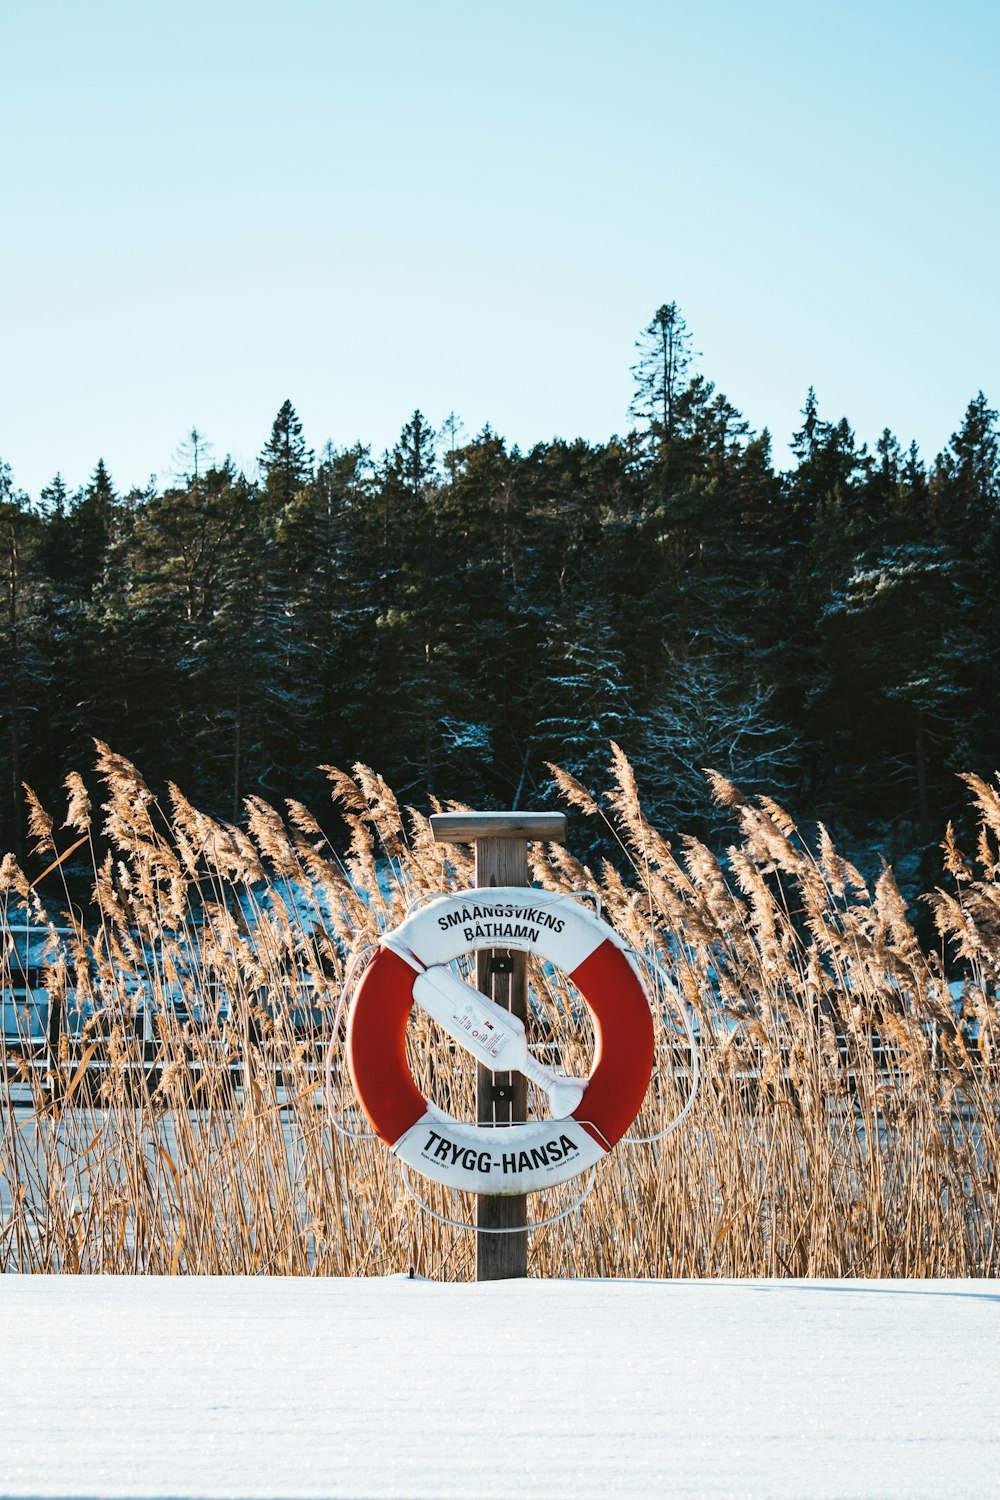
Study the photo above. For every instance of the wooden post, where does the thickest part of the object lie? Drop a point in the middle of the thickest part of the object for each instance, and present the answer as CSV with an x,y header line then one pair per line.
x,y
501,841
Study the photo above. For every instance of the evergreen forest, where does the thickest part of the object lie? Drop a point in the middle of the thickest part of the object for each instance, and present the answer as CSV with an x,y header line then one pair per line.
x,y
459,614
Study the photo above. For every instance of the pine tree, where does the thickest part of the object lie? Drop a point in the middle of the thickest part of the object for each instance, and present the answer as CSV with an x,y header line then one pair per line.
x,y
54,500
320,547
75,548
709,713
661,373
413,463
898,653
193,456
583,698
964,498
25,670
451,428
488,622
79,535
285,461
972,459
412,672
823,536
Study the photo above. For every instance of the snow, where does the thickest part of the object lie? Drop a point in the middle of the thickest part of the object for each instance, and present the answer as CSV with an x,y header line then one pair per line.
x,y
529,1390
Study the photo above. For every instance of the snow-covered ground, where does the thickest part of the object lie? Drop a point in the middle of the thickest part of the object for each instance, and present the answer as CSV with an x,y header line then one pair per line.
x,y
413,1390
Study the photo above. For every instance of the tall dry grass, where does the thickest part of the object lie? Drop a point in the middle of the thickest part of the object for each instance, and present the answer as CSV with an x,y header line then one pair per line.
x,y
846,1123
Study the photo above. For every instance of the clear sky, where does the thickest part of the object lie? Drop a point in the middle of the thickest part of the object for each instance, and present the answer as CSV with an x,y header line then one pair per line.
x,y
369,207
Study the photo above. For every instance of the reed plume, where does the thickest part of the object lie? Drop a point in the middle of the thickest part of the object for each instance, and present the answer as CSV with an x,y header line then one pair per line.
x,y
173,1121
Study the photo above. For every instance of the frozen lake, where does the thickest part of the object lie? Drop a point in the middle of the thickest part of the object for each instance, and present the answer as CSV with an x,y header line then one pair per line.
x,y
414,1390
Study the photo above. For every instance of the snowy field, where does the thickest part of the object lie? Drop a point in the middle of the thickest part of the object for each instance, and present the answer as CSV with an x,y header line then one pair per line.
x,y
413,1390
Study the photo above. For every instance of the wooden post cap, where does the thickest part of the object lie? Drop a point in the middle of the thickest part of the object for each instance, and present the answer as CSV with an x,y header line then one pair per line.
x,y
469,827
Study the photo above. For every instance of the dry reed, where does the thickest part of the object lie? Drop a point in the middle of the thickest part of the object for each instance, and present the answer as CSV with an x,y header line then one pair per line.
x,y
846,1125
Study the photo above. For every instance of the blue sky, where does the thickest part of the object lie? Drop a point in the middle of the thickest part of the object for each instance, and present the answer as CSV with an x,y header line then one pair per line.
x,y
372,207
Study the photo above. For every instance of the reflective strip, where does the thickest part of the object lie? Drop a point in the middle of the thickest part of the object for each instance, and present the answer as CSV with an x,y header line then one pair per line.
x,y
501,1160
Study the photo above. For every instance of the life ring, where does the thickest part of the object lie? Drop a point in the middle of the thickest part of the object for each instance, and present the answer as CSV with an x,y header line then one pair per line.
x,y
411,961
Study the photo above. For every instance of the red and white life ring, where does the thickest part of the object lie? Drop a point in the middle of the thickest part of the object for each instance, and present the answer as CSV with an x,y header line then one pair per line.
x,y
507,1158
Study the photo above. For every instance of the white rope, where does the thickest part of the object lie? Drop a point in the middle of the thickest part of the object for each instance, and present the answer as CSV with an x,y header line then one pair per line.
x,y
419,901
517,1229
683,1011
595,896
359,960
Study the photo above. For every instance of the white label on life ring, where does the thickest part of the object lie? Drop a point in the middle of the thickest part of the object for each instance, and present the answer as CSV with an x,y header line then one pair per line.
x,y
509,917
507,1159
489,1039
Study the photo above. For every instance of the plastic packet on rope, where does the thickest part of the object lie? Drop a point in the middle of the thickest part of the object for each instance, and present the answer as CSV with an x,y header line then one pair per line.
x,y
494,1036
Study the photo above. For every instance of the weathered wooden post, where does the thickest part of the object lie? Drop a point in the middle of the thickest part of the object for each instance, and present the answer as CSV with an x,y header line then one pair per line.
x,y
501,840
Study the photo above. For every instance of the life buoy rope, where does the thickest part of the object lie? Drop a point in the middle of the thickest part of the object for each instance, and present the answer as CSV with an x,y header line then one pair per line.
x,y
411,965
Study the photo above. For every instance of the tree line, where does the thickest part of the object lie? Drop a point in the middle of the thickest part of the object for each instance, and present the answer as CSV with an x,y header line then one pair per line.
x,y
459,613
